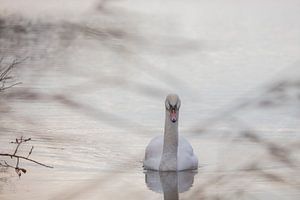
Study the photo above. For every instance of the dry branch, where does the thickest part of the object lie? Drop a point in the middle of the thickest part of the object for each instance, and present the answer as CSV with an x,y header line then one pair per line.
x,y
18,169
5,71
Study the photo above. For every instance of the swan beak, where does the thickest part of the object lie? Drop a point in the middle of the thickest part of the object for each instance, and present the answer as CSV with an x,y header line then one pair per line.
x,y
173,116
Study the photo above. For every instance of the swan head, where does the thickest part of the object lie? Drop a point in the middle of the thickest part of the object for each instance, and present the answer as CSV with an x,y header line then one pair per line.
x,y
172,106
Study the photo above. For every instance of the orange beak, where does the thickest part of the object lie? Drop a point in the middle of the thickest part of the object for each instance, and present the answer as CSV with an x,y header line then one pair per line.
x,y
173,116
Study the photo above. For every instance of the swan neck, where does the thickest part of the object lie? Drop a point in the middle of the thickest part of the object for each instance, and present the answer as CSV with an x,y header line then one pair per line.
x,y
170,146
171,128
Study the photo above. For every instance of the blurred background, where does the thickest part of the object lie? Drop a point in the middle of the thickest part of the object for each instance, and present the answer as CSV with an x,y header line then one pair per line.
x,y
94,78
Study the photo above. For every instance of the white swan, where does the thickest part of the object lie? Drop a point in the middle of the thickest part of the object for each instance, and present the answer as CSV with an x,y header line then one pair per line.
x,y
170,152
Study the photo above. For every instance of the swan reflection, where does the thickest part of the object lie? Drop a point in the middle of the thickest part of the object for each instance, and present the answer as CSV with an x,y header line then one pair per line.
x,y
169,183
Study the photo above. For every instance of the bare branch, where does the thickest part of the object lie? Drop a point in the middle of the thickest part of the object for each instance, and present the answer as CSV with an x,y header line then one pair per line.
x,y
25,158
19,170
5,72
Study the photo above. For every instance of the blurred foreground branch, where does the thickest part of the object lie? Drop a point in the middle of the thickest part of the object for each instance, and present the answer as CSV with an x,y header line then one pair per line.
x,y
19,170
5,77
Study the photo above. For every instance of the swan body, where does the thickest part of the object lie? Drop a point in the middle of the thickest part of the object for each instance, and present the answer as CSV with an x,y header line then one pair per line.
x,y
170,152
185,160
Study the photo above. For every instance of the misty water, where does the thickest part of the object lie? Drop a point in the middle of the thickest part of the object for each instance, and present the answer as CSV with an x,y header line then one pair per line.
x,y
94,78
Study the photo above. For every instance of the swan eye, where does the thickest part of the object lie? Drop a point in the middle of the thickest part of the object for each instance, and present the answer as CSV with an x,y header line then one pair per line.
x,y
173,107
170,106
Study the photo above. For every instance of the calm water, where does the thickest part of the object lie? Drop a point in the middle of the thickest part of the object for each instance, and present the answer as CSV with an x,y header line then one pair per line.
x,y
93,89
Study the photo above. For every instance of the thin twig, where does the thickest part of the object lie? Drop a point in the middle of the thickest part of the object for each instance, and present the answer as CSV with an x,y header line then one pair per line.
x,y
30,152
19,143
5,73
25,158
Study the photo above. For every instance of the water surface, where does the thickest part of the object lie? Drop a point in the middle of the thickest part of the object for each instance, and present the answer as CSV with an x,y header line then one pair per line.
x,y
93,89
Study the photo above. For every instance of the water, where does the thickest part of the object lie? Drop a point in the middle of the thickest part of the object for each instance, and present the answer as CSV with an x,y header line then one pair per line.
x,y
97,74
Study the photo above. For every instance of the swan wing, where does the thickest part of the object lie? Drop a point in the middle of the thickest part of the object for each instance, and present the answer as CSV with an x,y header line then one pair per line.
x,y
186,157
153,153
